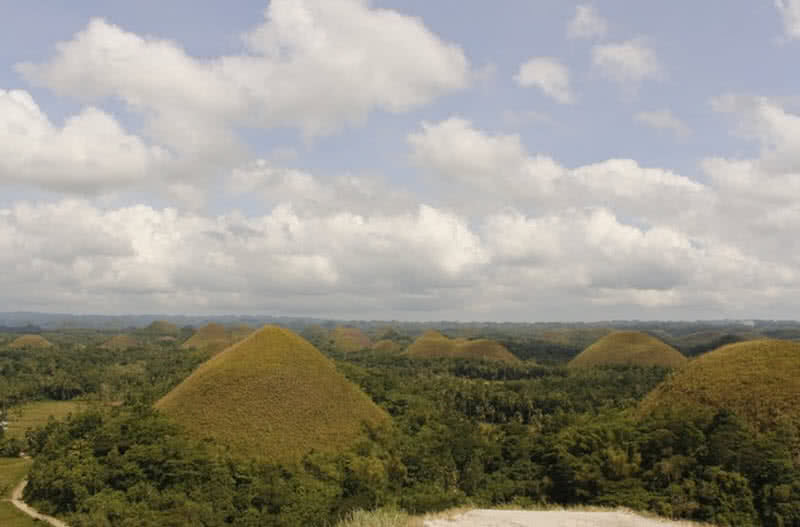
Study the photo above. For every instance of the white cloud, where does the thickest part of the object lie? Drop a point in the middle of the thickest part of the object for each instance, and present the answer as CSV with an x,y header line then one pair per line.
x,y
312,65
307,193
547,74
112,259
628,63
90,152
587,23
664,120
484,172
790,13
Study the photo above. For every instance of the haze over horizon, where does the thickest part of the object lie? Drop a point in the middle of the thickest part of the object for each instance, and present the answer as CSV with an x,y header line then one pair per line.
x,y
412,160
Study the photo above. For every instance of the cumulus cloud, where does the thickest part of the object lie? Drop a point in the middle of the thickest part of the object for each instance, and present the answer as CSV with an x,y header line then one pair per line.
x,y
664,120
547,74
496,170
90,152
312,65
587,23
277,184
790,13
167,259
628,63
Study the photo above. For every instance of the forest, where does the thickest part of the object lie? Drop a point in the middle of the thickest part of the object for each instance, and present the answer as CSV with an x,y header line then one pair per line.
x,y
462,432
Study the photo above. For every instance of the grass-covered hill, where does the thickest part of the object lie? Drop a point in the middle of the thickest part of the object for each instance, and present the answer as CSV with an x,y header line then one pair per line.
x,y
30,342
758,380
272,396
387,346
207,336
120,342
161,327
347,339
630,348
433,344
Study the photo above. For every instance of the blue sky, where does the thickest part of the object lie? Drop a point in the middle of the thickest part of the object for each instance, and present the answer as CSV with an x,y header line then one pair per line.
x,y
541,160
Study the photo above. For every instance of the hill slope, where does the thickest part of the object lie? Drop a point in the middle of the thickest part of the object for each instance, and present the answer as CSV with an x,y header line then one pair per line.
x,y
271,396
629,347
209,335
433,344
348,339
758,380
161,327
31,341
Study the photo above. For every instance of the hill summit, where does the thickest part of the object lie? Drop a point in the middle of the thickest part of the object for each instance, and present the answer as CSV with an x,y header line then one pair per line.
x,y
759,380
31,342
272,396
629,347
433,344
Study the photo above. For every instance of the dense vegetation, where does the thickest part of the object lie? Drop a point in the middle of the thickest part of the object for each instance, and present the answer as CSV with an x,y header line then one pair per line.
x,y
462,431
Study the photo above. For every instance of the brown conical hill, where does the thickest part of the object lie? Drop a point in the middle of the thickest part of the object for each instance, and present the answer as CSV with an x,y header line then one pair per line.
x,y
759,380
120,342
30,342
162,327
272,396
387,346
629,347
240,331
433,344
210,335
349,339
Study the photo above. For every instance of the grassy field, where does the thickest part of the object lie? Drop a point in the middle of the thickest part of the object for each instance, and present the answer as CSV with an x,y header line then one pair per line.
x,y
11,517
12,471
35,414
629,347
271,396
433,344
758,380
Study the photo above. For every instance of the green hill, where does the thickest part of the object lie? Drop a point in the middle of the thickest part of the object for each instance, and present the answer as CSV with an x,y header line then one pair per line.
x,y
271,396
348,339
120,342
30,342
629,347
433,344
759,380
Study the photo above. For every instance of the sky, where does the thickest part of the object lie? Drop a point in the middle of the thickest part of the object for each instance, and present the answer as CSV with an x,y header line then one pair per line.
x,y
530,160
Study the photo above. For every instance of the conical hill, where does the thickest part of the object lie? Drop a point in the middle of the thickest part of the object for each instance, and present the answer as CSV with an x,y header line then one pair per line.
x,y
758,380
31,342
629,347
272,396
212,334
433,344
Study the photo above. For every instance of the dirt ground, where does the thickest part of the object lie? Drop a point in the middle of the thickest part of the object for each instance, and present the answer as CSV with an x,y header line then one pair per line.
x,y
504,518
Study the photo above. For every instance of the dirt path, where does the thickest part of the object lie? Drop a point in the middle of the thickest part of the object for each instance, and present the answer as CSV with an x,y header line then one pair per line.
x,y
494,518
16,500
